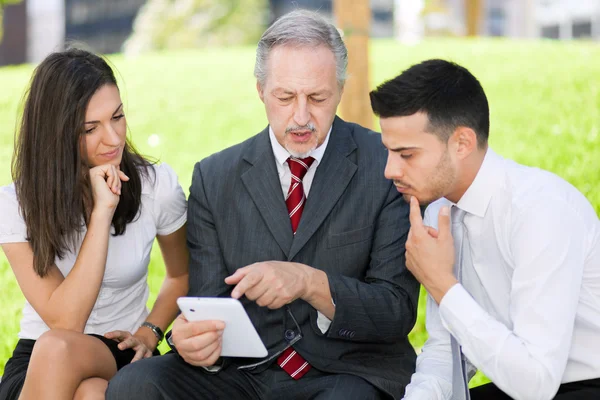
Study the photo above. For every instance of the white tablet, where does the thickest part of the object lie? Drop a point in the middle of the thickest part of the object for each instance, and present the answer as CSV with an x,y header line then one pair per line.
x,y
240,338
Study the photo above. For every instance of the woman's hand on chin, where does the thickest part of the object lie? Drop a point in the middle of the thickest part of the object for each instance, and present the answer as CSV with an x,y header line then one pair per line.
x,y
106,181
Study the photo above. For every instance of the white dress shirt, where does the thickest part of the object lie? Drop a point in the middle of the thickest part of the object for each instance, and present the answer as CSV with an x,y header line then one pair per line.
x,y
121,302
527,312
285,178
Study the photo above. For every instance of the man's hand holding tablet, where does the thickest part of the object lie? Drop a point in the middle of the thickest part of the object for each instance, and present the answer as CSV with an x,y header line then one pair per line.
x,y
212,327
199,343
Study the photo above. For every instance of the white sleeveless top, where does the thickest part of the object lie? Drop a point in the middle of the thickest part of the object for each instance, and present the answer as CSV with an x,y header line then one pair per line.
x,y
121,302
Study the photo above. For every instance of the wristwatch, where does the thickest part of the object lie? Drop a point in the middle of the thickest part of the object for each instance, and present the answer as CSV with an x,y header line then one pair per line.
x,y
156,330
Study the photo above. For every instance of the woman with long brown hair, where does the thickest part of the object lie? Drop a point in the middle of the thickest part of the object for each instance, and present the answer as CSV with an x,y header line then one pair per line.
x,y
77,227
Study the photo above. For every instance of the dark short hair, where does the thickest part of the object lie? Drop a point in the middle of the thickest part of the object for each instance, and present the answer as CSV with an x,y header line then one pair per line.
x,y
50,172
447,92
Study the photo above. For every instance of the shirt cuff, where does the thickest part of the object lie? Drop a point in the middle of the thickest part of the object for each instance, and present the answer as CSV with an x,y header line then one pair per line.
x,y
429,393
323,322
459,311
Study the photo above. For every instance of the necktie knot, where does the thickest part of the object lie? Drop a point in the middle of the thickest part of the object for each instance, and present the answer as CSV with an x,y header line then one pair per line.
x,y
299,166
457,215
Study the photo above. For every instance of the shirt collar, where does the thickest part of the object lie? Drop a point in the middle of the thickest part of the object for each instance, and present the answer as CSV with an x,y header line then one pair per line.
x,y
479,194
281,154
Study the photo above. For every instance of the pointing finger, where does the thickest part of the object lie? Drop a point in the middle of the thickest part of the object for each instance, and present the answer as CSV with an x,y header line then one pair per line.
x,y
237,276
249,281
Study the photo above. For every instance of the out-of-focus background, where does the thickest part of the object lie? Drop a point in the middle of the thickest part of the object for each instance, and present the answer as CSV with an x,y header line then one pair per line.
x,y
185,70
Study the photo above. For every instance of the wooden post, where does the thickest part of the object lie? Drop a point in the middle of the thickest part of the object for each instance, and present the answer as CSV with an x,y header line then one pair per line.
x,y
473,13
353,18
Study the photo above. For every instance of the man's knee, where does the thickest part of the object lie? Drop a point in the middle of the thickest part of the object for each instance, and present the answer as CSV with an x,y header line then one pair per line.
x,y
350,386
136,381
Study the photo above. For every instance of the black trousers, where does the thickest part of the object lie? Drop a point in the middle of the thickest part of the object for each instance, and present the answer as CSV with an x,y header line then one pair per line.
x,y
169,377
582,390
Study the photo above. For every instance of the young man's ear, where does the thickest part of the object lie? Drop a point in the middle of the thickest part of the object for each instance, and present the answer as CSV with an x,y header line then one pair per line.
x,y
260,91
464,140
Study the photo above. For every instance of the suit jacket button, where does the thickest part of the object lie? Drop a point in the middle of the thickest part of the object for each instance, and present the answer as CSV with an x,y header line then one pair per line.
x,y
351,334
290,334
342,332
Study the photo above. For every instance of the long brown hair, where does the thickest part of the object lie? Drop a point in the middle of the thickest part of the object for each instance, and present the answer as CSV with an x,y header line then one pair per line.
x,y
50,174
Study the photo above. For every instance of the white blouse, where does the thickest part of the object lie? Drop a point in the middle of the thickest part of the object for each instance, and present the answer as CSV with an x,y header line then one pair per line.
x,y
121,302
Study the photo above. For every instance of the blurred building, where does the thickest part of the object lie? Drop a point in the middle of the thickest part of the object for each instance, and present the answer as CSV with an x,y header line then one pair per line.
x,y
33,28
568,19
102,24
382,21
553,19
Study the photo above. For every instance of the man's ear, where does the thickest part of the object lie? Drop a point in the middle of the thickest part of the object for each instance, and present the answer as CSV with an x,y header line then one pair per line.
x,y
464,140
260,91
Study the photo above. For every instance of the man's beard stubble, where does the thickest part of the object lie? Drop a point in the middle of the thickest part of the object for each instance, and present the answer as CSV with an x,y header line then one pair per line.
x,y
290,131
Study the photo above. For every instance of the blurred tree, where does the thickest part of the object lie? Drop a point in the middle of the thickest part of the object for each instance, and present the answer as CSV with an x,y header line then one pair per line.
x,y
169,24
2,4
355,23
474,15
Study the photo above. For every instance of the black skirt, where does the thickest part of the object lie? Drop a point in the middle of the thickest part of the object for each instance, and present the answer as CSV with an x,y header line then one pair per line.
x,y
16,367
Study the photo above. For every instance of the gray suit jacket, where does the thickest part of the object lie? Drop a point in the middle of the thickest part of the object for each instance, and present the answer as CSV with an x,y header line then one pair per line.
x,y
353,227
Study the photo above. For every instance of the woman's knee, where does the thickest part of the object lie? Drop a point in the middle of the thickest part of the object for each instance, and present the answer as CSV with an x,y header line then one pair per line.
x,y
55,344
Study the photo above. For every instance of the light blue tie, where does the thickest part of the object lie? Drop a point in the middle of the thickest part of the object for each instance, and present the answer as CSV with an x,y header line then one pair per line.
x,y
460,387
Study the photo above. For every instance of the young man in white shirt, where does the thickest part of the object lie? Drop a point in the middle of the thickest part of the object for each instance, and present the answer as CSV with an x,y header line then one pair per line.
x,y
509,254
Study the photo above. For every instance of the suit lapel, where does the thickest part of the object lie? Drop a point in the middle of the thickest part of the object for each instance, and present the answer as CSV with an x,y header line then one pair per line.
x,y
331,179
262,182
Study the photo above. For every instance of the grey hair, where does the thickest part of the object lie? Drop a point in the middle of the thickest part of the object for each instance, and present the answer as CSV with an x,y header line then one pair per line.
x,y
302,28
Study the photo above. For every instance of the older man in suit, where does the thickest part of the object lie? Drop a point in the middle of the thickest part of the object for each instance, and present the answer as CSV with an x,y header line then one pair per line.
x,y
300,224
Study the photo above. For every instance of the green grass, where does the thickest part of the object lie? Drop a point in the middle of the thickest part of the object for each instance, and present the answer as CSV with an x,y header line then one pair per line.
x,y
544,99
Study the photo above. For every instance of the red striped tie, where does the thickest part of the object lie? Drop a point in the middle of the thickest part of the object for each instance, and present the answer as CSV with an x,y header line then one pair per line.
x,y
293,363
289,360
295,197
